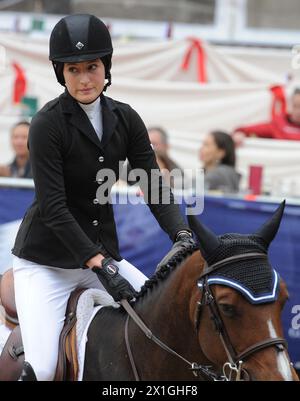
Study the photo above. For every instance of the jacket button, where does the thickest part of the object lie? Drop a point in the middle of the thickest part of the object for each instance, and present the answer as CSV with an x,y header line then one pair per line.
x,y
95,223
101,159
95,201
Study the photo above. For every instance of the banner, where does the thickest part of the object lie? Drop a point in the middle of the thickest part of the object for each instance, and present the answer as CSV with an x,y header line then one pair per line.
x,y
143,243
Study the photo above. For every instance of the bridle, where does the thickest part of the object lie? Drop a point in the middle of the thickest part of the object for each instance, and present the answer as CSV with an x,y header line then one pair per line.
x,y
233,367
234,364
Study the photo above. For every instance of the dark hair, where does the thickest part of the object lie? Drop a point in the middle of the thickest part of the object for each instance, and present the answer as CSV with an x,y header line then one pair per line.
x,y
165,159
225,142
23,122
296,91
163,134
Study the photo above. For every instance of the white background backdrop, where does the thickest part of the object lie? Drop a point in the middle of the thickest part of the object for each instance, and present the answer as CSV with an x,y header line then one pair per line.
x,y
148,75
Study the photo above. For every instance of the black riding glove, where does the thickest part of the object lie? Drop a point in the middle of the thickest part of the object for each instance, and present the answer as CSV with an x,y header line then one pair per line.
x,y
183,245
115,284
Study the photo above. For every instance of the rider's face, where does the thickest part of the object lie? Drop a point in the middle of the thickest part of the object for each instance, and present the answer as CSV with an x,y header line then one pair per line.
x,y
85,80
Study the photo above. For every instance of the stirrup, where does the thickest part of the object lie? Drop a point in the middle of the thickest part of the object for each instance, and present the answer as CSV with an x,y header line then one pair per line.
x,y
27,374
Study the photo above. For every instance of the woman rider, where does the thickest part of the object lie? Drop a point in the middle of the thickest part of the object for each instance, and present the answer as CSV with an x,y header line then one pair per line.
x,y
69,233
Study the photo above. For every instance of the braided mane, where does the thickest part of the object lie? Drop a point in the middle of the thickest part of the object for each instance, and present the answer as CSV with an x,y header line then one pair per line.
x,y
165,271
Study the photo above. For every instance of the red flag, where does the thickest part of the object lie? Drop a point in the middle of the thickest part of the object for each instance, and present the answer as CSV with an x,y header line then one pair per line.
x,y
196,46
20,83
279,101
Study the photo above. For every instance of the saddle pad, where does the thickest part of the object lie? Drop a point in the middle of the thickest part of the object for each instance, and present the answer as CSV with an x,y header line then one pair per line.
x,y
90,302
4,334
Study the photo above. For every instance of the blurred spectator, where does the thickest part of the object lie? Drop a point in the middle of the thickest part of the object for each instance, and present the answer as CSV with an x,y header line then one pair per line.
x,y
160,142
217,154
20,166
166,166
282,125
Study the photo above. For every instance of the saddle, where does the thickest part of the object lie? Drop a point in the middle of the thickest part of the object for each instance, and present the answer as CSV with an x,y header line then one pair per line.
x,y
67,364
12,356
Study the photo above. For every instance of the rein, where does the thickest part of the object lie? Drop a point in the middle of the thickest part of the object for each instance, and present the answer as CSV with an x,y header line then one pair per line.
x,y
202,369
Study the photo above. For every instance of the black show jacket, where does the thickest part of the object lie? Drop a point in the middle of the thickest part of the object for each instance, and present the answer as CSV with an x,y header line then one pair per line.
x,y
65,225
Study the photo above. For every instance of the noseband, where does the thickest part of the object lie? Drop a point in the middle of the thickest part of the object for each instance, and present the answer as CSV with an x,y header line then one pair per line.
x,y
234,364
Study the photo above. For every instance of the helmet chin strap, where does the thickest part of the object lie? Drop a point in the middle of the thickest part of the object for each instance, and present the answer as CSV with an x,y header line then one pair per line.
x,y
58,69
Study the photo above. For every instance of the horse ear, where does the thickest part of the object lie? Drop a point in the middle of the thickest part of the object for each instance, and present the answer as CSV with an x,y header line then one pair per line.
x,y
269,229
208,241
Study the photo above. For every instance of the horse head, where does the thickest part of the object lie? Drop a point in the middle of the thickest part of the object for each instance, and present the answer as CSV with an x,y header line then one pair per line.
x,y
238,317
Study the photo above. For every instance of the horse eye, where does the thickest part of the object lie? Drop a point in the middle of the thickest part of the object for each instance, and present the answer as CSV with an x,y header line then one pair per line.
x,y
228,310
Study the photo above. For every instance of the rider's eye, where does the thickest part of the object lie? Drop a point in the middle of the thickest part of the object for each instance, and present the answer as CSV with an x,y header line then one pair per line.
x,y
92,67
228,310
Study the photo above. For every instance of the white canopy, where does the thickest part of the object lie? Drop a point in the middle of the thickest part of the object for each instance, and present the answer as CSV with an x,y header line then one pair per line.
x,y
149,76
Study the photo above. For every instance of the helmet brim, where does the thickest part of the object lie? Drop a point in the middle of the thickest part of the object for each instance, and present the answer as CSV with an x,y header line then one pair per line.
x,y
81,57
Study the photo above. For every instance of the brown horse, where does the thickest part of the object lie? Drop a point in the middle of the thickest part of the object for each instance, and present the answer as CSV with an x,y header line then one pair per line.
x,y
220,316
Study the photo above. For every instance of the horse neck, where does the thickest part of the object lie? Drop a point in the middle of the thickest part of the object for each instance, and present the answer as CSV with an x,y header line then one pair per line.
x,y
168,310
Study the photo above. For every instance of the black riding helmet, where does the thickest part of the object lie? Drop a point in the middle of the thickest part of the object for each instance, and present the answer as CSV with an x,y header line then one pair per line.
x,y
80,37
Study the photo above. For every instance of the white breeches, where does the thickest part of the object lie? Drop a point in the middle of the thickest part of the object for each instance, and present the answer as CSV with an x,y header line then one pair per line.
x,y
42,294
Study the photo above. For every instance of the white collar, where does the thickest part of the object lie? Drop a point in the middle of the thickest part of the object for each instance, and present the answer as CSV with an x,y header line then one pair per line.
x,y
91,108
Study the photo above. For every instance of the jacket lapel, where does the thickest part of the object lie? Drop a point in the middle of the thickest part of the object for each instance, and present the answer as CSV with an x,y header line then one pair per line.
x,y
109,119
80,120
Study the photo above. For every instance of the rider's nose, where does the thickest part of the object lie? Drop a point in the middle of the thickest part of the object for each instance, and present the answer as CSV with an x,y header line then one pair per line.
x,y
84,79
